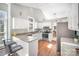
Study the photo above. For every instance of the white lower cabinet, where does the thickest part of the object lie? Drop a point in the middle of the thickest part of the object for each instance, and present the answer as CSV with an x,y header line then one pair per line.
x,y
50,37
33,48
33,45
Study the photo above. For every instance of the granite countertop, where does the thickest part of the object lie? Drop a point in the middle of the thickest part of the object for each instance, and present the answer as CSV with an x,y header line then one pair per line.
x,y
25,38
1,33
68,40
27,33
68,47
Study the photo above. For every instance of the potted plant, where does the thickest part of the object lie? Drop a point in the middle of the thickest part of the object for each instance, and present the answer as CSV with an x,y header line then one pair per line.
x,y
76,39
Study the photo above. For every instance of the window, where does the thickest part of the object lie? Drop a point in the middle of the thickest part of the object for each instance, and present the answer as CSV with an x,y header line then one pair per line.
x,y
2,18
2,15
1,26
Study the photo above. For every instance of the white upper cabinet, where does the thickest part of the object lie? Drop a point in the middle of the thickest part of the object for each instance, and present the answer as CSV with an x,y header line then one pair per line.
x,y
19,23
32,24
73,18
16,11
22,14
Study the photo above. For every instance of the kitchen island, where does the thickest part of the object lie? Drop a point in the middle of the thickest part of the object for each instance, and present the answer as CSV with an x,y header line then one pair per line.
x,y
31,39
29,42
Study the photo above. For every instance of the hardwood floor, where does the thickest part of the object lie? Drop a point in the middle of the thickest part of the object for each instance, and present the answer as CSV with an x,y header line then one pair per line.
x,y
43,49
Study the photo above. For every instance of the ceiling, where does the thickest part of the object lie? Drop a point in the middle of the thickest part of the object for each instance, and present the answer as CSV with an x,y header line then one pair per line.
x,y
52,10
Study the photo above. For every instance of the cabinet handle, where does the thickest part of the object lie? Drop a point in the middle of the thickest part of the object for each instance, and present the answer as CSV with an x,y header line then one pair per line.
x,y
78,25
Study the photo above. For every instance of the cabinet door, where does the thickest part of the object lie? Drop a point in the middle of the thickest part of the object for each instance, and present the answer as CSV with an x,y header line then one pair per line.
x,y
30,24
33,48
19,23
73,18
15,10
